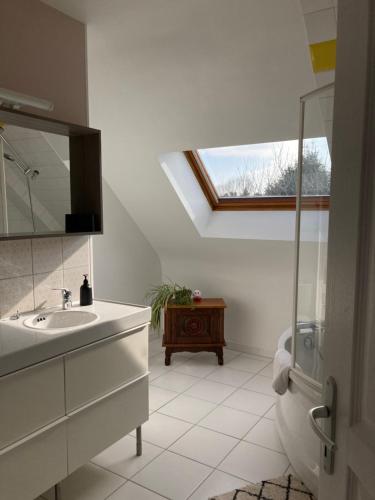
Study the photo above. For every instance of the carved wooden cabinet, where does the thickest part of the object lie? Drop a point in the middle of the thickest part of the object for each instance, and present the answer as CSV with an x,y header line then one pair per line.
x,y
195,327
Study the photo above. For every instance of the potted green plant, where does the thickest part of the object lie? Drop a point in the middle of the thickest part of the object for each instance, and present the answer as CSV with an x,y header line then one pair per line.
x,y
161,295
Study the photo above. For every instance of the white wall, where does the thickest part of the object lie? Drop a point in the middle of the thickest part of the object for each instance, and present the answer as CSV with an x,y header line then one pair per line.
x,y
255,280
125,264
172,75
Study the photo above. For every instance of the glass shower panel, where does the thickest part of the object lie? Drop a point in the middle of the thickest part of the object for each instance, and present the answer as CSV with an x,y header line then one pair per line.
x,y
312,230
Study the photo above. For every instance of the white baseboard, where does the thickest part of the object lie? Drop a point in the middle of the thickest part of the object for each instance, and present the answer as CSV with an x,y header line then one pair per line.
x,y
153,336
250,350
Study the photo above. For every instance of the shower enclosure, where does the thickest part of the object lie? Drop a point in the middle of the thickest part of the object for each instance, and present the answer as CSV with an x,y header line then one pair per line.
x,y
304,340
312,233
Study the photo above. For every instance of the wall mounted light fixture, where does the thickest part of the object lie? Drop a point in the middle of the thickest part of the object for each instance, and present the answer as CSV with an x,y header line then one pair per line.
x,y
16,100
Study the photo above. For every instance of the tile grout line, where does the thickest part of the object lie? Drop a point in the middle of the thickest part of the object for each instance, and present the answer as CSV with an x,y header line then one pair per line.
x,y
200,484
191,426
180,437
198,424
186,421
217,405
133,482
116,489
230,435
152,491
201,399
230,451
131,478
221,461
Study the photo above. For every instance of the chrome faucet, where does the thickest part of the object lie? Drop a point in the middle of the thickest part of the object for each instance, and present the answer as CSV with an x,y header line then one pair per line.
x,y
66,297
16,315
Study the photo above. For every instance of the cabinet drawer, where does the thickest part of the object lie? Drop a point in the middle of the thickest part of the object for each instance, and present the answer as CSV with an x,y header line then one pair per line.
x,y
34,466
30,399
98,369
92,429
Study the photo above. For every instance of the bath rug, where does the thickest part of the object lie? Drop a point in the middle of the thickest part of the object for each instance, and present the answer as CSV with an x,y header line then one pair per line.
x,y
281,488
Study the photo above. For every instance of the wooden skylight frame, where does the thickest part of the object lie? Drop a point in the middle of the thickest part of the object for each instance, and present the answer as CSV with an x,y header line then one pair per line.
x,y
256,203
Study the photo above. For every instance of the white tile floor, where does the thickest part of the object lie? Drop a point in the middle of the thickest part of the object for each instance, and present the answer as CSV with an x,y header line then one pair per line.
x,y
211,430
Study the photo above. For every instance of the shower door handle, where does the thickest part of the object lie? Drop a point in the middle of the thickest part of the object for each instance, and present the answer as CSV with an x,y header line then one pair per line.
x,y
326,432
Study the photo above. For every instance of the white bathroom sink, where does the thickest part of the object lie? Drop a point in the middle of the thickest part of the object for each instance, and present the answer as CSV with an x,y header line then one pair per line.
x,y
58,320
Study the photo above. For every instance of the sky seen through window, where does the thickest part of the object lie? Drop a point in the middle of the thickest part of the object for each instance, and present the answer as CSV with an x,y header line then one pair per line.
x,y
268,169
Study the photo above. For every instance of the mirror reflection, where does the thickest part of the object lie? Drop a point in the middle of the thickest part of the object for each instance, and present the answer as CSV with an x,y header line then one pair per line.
x,y
34,180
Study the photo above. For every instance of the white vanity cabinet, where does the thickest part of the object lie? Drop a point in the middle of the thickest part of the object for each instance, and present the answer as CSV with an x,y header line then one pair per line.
x,y
56,415
33,439
92,429
31,399
106,391
95,370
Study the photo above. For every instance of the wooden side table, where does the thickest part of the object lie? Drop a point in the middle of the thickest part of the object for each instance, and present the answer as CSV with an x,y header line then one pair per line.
x,y
195,327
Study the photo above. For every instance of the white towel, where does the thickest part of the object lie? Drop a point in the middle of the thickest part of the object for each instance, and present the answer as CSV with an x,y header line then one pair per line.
x,y
281,367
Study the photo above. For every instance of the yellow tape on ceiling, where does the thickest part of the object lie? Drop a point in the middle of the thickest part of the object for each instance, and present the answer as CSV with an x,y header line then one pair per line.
x,y
323,56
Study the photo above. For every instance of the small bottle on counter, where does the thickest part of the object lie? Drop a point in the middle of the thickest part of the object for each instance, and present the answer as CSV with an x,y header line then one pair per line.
x,y
85,293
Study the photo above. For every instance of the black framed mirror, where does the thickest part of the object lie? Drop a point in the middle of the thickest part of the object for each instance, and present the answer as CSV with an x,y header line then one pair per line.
x,y
50,177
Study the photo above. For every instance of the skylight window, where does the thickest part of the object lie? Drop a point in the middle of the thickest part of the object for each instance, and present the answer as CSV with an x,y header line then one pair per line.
x,y
263,176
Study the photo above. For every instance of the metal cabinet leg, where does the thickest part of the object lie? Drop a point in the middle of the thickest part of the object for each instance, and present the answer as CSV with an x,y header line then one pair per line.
x,y
58,493
139,441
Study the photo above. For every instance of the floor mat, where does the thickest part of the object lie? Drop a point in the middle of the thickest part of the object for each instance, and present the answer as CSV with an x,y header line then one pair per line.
x,y
281,488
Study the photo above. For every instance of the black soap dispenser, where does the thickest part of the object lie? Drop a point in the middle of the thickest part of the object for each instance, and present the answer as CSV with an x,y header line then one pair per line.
x,y
85,293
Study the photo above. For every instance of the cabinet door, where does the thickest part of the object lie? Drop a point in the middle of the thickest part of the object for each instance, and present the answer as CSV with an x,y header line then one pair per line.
x,y
194,326
99,369
31,399
34,466
92,429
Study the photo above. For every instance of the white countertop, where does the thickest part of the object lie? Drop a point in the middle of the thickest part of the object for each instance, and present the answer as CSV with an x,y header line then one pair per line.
x,y
21,346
